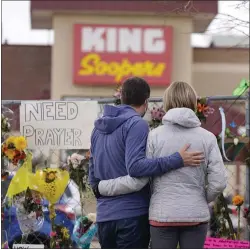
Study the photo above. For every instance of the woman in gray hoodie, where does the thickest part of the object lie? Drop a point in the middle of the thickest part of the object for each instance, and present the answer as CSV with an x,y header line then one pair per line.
x,y
178,212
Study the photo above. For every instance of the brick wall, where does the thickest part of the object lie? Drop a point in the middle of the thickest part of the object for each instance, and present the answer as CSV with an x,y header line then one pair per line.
x,y
26,72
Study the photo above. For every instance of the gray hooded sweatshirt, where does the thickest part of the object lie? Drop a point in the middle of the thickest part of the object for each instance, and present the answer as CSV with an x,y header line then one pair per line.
x,y
181,195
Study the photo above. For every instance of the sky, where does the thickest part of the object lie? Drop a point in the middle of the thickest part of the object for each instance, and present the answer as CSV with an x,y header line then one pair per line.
x,y
16,27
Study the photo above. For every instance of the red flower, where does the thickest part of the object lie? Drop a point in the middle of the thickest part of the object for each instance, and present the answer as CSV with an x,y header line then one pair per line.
x,y
38,214
5,148
4,176
53,234
23,155
15,161
202,108
37,201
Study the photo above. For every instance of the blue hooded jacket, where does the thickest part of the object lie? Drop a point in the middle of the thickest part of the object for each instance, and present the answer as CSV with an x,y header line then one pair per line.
x,y
118,148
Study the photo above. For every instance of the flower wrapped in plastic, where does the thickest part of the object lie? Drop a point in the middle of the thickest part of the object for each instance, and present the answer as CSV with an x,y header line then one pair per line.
x,y
85,230
51,182
14,149
21,181
78,167
29,211
28,202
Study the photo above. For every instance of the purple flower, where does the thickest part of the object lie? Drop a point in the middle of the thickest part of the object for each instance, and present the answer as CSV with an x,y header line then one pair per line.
x,y
157,114
209,111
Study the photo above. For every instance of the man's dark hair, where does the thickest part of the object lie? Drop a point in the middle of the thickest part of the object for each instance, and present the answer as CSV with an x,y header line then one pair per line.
x,y
135,91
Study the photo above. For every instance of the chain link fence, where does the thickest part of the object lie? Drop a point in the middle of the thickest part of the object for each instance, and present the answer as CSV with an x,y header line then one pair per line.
x,y
69,205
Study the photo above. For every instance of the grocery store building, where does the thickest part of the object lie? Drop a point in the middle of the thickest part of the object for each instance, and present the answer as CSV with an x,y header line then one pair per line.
x,y
97,44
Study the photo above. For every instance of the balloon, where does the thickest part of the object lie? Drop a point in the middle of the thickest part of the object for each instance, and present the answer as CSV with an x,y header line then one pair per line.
x,y
241,88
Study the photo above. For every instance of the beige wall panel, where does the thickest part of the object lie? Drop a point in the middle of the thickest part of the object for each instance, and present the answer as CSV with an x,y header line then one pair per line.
x,y
62,58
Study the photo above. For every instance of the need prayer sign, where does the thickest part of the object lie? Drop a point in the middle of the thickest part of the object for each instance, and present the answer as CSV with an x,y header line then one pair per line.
x,y
58,124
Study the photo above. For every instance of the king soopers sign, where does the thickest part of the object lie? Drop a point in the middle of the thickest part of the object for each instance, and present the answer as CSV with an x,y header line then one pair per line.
x,y
108,54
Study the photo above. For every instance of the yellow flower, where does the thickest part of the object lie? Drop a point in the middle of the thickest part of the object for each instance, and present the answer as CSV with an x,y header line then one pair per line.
x,y
20,143
11,141
52,215
238,200
65,233
10,153
51,176
52,212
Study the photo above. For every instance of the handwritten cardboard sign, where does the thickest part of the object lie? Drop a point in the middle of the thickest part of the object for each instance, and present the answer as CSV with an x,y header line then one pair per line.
x,y
27,246
58,124
211,243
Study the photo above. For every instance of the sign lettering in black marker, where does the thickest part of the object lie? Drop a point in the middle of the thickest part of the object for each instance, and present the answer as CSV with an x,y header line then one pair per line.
x,y
58,124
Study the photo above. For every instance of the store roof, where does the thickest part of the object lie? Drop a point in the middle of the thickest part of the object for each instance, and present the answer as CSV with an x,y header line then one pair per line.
x,y
202,12
229,41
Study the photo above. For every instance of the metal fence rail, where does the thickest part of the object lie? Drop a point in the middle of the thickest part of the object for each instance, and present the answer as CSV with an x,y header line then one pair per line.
x,y
236,110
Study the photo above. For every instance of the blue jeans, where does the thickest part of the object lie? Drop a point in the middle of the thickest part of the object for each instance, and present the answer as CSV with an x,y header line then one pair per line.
x,y
124,234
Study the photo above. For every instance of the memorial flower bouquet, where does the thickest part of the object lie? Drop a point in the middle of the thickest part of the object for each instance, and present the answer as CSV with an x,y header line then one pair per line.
x,y
51,183
22,193
60,238
78,170
238,201
30,202
14,149
156,117
203,109
84,230
29,210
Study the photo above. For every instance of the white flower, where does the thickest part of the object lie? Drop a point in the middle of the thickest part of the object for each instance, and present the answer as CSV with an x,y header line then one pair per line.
x,y
241,130
19,206
32,215
68,160
92,217
77,157
75,160
236,141
75,165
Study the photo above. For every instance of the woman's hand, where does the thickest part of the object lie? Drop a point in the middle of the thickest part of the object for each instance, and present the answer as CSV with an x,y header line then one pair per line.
x,y
191,158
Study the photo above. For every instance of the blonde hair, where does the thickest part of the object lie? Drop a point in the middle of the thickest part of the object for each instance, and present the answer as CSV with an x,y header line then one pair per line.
x,y
179,95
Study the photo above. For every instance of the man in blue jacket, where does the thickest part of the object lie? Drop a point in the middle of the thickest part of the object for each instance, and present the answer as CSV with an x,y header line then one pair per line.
x,y
118,148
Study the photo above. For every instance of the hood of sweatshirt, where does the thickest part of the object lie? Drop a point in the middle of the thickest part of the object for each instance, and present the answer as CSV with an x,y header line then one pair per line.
x,y
114,117
184,117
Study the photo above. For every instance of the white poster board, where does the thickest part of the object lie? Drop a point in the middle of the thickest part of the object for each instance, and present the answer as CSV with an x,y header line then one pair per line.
x,y
58,124
27,246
